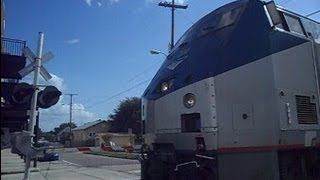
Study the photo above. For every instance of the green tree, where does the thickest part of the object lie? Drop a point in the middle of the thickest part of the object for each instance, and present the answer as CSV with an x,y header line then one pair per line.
x,y
56,130
127,115
49,136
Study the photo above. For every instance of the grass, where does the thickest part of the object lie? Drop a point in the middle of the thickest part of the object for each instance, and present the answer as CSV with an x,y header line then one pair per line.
x,y
122,155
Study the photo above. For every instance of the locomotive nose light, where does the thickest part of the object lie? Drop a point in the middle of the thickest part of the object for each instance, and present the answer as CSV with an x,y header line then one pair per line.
x,y
189,100
164,86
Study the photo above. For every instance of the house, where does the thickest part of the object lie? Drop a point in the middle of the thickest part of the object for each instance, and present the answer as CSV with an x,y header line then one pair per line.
x,y
85,135
63,135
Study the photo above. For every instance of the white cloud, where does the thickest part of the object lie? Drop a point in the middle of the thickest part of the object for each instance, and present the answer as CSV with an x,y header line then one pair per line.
x,y
60,113
113,1
88,2
54,81
57,82
73,41
97,3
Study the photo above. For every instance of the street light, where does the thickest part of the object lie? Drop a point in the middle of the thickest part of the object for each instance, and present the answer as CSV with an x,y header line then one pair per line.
x,y
154,51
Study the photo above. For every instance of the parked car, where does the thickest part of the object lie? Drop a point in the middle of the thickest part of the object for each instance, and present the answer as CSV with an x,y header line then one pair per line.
x,y
49,155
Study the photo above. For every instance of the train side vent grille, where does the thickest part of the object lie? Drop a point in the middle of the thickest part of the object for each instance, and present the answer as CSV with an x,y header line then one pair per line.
x,y
306,110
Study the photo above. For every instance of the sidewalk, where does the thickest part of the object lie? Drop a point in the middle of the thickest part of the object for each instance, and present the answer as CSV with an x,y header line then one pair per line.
x,y
12,168
12,164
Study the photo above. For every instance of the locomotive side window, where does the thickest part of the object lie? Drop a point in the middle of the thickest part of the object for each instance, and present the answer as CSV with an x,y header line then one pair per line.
x,y
190,123
284,20
294,24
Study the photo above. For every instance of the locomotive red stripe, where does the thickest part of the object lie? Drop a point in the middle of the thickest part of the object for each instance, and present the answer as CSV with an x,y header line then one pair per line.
x,y
262,148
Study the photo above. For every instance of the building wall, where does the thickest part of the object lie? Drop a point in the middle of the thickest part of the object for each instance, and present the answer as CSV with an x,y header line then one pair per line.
x,y
99,128
78,138
86,137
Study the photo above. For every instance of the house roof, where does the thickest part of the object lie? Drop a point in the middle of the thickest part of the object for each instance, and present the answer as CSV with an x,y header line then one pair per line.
x,y
88,125
66,129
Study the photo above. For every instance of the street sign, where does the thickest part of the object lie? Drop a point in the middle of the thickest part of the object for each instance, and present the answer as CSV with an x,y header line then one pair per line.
x,y
29,68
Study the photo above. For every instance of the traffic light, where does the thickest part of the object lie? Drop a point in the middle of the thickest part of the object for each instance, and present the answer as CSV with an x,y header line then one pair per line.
x,y
48,97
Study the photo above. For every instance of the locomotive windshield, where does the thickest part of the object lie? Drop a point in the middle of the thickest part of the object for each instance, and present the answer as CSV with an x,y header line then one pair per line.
x,y
213,30
214,21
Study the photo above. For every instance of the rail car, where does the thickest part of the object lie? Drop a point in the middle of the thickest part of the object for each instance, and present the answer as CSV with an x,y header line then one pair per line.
x,y
236,98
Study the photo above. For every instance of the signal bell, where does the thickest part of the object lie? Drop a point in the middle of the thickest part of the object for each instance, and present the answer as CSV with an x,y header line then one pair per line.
x,y
48,97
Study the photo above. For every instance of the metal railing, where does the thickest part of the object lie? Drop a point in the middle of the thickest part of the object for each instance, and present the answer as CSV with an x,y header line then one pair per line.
x,y
12,46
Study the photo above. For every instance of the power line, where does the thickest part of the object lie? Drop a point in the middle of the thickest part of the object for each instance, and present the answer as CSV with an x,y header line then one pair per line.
x,y
143,72
130,80
186,18
127,81
313,13
113,96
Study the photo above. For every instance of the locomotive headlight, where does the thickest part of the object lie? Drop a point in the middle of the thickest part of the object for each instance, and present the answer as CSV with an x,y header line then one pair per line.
x,y
189,100
164,86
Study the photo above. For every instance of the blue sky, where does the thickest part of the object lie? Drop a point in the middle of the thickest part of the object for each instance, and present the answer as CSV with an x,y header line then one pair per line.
x,y
101,47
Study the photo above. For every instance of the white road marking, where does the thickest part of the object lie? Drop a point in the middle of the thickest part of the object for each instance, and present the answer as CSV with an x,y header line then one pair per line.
x,y
71,163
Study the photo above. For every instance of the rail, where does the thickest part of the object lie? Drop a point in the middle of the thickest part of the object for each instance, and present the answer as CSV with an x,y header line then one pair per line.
x,y
12,46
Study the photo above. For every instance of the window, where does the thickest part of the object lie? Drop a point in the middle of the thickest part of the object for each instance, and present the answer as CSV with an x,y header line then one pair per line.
x,y
190,123
285,20
217,20
294,24
92,134
222,19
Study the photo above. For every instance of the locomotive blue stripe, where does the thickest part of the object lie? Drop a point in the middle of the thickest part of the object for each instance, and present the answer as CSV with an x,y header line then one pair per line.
x,y
248,40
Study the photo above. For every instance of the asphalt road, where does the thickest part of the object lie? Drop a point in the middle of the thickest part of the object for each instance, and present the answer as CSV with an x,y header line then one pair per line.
x,y
89,160
72,165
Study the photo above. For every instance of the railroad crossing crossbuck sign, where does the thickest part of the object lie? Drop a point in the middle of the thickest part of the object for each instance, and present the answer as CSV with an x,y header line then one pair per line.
x,y
28,69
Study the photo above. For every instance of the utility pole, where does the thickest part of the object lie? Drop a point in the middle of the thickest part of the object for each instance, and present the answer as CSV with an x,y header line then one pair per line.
x,y
173,6
70,120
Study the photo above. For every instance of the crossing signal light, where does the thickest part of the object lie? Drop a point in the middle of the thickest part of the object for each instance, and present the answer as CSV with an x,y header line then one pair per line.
x,y
22,94
48,97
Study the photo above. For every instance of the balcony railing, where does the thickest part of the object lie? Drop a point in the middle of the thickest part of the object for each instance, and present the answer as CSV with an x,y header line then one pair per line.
x,y
12,46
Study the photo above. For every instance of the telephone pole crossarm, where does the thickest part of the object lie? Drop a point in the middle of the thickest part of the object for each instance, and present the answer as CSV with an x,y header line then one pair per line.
x,y
166,4
173,6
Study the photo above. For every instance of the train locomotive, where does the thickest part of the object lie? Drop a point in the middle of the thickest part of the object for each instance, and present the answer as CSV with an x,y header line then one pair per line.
x,y
236,98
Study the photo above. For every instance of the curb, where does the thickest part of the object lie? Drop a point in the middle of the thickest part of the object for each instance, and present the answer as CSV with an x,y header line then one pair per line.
x,y
114,155
81,149
20,171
